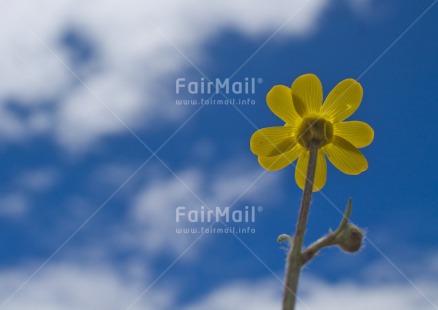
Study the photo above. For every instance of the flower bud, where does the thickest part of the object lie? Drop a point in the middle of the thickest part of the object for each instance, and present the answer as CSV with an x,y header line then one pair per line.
x,y
350,239
283,238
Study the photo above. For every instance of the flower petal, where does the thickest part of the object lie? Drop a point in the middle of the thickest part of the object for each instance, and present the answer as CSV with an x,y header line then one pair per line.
x,y
345,156
307,94
279,100
301,168
280,161
320,174
342,101
272,141
359,134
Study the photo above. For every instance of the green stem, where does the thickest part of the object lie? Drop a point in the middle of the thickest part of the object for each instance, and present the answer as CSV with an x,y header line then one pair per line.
x,y
294,260
331,239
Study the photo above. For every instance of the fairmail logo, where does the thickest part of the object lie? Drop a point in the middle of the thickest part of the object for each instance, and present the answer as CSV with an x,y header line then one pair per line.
x,y
227,214
247,86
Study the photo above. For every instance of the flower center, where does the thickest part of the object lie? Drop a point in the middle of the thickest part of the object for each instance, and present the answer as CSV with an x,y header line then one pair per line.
x,y
314,129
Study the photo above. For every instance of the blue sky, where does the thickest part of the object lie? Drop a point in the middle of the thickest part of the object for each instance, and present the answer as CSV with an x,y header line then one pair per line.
x,y
97,154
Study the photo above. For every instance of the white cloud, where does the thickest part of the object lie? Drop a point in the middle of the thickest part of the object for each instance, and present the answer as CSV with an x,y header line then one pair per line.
x,y
317,294
67,285
260,295
132,59
13,205
80,285
361,6
374,295
70,286
16,202
153,221
84,116
37,180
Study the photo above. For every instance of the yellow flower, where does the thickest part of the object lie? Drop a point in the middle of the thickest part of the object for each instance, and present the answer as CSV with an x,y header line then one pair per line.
x,y
306,118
